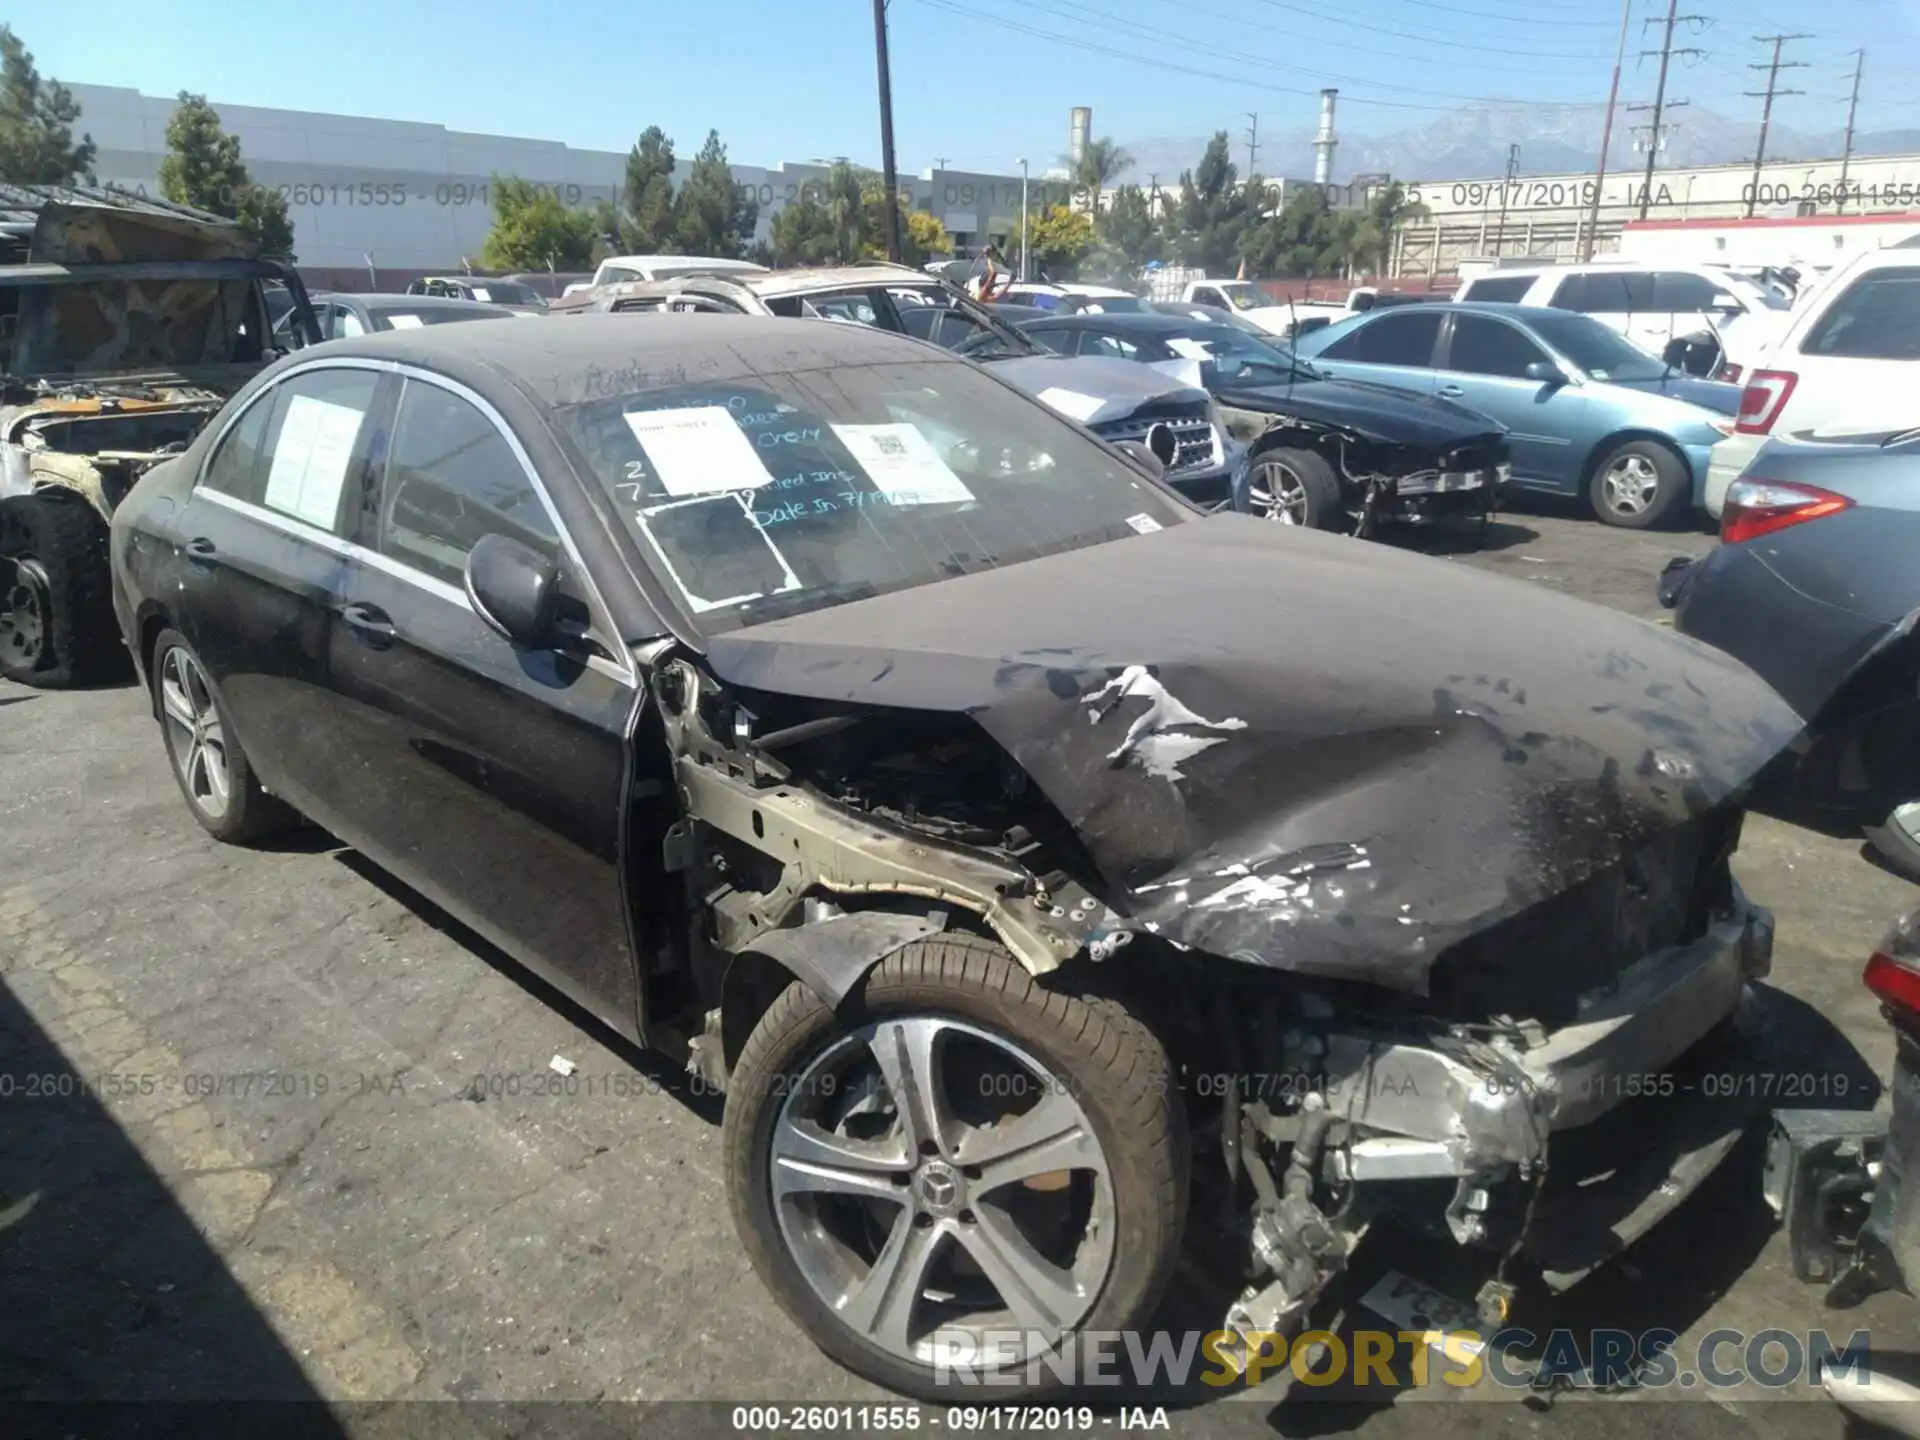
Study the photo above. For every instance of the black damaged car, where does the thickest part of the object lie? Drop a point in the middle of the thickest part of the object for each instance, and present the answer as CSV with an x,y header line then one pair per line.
x,y
988,824
1324,453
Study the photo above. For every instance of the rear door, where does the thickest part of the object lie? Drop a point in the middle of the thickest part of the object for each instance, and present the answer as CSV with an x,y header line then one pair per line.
x,y
267,526
1483,366
1395,347
491,779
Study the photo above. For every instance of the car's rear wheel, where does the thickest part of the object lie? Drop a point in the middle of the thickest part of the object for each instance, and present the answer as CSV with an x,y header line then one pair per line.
x,y
1295,487
208,763
958,1160
56,620
1638,485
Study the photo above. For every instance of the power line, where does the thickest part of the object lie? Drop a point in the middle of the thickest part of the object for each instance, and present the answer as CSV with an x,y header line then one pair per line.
x,y
1846,155
1350,24
1773,69
1666,53
1162,64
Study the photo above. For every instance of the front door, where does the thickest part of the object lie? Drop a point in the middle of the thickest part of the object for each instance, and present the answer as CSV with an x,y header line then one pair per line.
x,y
492,779
266,550
1484,367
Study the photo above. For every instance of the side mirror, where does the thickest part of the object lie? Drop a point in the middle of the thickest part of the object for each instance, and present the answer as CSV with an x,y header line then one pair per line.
x,y
516,592
1546,372
1142,455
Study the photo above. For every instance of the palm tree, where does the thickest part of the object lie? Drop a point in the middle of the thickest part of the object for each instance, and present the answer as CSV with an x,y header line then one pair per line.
x,y
1099,163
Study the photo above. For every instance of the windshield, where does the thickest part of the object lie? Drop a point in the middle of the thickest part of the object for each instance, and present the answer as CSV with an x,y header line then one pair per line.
x,y
784,493
1230,356
1604,354
508,292
1114,305
1243,296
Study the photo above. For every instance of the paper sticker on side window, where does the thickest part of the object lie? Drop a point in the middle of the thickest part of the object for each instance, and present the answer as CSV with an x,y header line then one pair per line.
x,y
698,451
902,465
311,459
717,552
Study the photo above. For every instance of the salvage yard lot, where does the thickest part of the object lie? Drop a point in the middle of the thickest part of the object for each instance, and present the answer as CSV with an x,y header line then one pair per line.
x,y
328,1152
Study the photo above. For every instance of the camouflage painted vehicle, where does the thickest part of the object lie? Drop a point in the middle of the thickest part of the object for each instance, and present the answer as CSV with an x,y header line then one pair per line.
x,y
125,324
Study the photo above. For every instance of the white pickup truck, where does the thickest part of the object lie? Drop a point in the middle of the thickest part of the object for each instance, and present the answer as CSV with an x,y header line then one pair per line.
x,y
1252,303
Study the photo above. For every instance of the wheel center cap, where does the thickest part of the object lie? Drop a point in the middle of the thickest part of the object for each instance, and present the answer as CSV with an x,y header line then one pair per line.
x,y
939,1188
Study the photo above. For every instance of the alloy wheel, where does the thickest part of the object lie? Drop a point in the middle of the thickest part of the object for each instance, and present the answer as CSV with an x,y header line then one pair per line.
x,y
196,738
1630,485
1276,493
941,1191
26,605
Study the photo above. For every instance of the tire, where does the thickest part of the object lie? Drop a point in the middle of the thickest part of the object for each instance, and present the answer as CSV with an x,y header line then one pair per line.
x,y
1646,470
1098,1070
1302,478
57,628
202,751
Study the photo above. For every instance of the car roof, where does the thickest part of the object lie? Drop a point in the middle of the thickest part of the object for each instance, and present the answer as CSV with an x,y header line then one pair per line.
x,y
1151,322
837,277
715,261
388,300
598,356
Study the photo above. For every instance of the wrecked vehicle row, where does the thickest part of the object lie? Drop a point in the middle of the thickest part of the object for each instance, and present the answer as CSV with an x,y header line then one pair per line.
x,y
820,710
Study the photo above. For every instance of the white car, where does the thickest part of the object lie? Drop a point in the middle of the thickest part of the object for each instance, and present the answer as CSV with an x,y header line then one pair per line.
x,y
1655,306
1847,359
1250,302
616,268
1071,299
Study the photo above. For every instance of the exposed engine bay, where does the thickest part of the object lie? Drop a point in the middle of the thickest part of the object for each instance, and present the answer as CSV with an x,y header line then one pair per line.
x,y
99,440
1489,1113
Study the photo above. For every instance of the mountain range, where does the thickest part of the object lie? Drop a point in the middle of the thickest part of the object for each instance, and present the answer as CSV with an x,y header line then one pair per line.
x,y
1472,144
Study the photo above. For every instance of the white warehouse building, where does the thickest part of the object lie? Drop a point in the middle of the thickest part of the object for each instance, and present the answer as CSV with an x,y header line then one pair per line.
x,y
409,198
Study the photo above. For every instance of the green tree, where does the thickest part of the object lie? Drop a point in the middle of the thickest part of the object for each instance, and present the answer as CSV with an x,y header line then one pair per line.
x,y
647,226
1126,229
922,236
1212,215
532,229
803,232
712,213
1369,235
1059,239
36,123
203,169
1098,164
1305,238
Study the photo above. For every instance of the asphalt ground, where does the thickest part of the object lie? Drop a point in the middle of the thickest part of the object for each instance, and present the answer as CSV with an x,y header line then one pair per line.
x,y
277,1130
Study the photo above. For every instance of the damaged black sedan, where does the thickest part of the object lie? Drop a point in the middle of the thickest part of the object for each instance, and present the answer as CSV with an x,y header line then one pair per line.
x,y
1324,453
821,710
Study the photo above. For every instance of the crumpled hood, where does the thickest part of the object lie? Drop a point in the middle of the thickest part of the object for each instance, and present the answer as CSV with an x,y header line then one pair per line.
x,y
1340,791
1379,412
1714,395
1091,388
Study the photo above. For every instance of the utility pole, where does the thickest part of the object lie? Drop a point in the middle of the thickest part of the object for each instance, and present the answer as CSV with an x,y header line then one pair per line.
x,y
888,177
1846,155
1153,196
1513,169
1666,52
1773,69
1253,140
940,161
1606,134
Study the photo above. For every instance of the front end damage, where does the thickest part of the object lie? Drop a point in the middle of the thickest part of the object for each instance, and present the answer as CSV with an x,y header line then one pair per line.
x,y
1446,967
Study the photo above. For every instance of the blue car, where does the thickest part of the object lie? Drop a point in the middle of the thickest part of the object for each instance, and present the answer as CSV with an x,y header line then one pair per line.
x,y
1589,413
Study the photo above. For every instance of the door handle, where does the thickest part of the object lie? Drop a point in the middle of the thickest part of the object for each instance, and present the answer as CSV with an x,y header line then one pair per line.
x,y
1451,392
372,624
201,550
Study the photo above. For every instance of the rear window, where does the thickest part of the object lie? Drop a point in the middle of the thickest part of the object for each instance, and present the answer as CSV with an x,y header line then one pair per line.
x,y
1877,317
1505,290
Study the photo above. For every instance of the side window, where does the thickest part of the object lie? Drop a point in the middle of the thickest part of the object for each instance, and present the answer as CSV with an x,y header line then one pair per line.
x,y
1207,295
1675,293
1482,346
300,449
451,477
1503,289
1606,292
1876,318
1093,343
1060,342
1405,339
236,467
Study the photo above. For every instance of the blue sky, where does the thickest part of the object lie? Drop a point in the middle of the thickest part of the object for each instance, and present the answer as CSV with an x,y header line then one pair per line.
x,y
973,83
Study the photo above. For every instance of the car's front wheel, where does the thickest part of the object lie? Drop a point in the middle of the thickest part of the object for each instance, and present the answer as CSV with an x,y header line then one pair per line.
x,y
957,1172
208,763
1295,487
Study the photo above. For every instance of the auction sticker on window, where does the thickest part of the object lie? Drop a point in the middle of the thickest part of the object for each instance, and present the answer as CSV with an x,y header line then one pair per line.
x,y
311,459
404,322
698,451
1191,349
902,465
